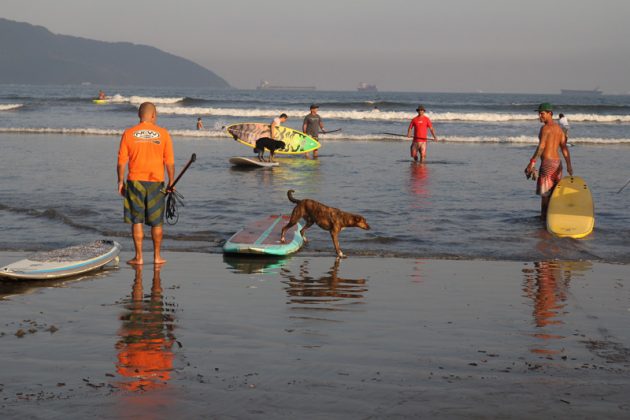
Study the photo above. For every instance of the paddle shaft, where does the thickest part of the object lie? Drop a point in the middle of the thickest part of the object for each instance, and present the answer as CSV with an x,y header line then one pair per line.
x,y
192,159
402,135
332,131
624,186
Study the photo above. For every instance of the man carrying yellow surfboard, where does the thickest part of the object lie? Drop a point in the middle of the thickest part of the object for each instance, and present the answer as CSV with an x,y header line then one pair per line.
x,y
550,139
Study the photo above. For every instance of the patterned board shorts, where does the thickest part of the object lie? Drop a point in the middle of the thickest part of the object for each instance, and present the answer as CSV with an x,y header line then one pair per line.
x,y
144,203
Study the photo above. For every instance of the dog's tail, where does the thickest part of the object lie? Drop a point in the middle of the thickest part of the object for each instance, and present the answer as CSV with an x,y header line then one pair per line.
x,y
291,199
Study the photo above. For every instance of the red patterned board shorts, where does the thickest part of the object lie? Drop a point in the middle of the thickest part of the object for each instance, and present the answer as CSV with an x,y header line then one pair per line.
x,y
549,175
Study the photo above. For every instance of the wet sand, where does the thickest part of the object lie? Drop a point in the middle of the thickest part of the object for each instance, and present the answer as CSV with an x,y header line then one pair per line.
x,y
312,337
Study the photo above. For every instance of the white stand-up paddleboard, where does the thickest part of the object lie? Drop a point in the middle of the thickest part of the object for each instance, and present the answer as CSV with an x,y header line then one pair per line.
x,y
251,162
63,262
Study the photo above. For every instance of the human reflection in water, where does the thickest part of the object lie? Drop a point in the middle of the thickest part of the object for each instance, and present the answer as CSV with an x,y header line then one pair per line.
x,y
146,337
329,292
547,284
419,179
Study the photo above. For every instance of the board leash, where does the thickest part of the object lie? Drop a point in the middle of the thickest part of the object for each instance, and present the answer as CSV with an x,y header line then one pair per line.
x,y
173,198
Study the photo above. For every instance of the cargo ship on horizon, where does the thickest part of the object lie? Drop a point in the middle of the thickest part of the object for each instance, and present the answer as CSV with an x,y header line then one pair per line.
x,y
582,92
366,87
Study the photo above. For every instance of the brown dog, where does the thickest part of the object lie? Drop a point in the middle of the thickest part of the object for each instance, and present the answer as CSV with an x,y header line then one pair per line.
x,y
328,218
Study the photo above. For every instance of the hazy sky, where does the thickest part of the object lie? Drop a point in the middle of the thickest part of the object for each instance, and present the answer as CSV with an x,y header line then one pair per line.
x,y
402,45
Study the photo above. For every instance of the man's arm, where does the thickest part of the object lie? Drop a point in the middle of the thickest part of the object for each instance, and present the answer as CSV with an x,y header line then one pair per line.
x,y
542,136
273,130
170,171
120,170
321,126
409,129
433,133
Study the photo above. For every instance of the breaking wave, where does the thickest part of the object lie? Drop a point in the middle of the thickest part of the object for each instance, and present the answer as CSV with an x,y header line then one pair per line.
x,y
9,107
373,115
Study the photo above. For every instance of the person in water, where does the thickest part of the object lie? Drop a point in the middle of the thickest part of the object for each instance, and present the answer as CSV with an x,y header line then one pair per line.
x,y
277,122
420,124
199,124
551,138
101,95
312,125
147,150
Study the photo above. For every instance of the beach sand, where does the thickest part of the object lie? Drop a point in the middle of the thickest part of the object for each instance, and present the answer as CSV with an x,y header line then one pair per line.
x,y
312,337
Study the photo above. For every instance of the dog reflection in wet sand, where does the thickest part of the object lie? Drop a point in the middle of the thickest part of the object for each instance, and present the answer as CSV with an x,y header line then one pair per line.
x,y
328,218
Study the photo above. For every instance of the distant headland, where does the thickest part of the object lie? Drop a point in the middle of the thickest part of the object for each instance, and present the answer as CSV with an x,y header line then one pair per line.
x,y
34,55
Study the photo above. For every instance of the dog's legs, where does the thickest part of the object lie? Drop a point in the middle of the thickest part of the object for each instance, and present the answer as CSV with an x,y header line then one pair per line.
x,y
309,223
334,234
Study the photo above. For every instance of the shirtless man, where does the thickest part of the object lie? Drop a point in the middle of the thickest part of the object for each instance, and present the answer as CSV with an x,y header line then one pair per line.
x,y
550,139
276,123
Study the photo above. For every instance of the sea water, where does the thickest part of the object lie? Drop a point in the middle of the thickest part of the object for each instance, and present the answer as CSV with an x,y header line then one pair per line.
x,y
470,200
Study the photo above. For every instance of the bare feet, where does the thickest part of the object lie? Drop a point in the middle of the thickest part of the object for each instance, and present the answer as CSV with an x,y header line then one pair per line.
x,y
159,260
135,261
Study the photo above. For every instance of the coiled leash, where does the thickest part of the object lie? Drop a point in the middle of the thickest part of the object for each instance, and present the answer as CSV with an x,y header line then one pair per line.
x,y
173,198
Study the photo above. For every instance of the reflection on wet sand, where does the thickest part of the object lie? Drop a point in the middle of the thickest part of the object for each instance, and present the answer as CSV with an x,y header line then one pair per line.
x,y
10,288
547,284
329,292
254,264
145,353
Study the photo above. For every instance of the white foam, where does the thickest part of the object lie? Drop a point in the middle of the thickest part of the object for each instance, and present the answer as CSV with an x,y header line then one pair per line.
x,y
9,107
373,115
137,100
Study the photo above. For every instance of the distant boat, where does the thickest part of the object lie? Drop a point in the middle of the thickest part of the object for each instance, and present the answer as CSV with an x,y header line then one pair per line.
x,y
366,87
576,92
265,85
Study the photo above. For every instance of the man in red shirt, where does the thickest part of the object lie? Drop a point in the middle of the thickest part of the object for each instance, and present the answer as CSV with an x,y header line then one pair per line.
x,y
419,142
147,149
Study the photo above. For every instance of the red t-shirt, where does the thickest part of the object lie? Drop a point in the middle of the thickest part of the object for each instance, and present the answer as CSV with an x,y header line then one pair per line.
x,y
147,147
420,125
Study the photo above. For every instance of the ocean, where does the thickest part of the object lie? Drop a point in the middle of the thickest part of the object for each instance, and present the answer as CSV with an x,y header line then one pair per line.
x,y
469,201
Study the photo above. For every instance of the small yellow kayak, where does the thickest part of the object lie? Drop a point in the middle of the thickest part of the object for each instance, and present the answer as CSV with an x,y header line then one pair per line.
x,y
571,212
100,101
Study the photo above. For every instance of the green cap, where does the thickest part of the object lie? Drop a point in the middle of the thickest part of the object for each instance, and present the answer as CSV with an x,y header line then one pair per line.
x,y
545,106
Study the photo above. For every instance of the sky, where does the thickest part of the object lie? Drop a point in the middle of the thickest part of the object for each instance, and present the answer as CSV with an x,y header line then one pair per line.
x,y
528,46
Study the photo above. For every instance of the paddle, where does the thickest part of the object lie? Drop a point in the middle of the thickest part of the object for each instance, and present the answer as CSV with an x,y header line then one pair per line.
x,y
403,135
173,198
332,131
624,186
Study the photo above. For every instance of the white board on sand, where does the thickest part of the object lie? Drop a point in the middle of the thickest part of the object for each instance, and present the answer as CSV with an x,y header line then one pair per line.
x,y
64,262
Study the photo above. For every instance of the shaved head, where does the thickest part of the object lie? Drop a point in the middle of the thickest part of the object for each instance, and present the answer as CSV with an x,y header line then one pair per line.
x,y
147,111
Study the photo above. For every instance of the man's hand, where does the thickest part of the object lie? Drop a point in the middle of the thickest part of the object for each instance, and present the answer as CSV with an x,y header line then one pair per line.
x,y
570,169
121,188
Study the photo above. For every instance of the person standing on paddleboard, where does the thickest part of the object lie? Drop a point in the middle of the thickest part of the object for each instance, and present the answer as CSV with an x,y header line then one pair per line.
x,y
147,150
312,125
420,124
550,139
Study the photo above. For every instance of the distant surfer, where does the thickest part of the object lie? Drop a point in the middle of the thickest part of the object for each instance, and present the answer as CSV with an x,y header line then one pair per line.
x,y
550,138
199,124
420,124
312,125
147,149
101,95
564,124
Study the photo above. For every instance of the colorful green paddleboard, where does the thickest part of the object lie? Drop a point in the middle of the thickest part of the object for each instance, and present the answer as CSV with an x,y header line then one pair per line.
x,y
296,141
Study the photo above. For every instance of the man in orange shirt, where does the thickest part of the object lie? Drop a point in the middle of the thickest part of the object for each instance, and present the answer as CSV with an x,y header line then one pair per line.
x,y
147,149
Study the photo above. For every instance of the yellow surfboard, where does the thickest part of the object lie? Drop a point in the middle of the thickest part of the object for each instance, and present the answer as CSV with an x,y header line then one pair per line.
x,y
571,212
296,141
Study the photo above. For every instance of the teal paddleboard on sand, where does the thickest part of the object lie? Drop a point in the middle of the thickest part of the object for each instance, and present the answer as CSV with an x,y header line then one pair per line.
x,y
296,141
262,237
